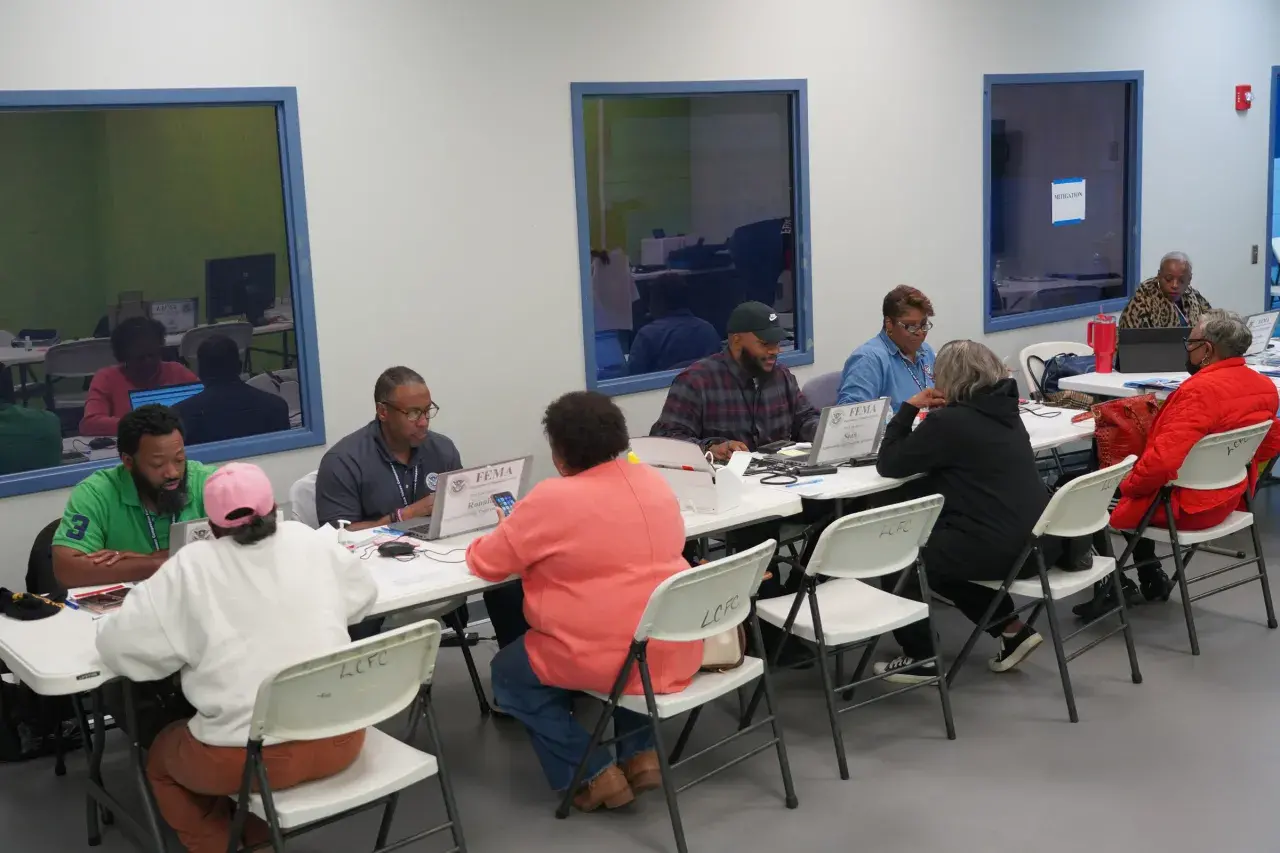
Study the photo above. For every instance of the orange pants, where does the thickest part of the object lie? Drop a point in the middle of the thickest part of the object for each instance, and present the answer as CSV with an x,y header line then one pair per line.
x,y
193,781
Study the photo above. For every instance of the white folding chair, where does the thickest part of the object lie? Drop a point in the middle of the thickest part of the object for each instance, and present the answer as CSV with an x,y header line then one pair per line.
x,y
302,501
695,604
332,694
239,331
1035,357
1080,508
66,367
1216,461
845,613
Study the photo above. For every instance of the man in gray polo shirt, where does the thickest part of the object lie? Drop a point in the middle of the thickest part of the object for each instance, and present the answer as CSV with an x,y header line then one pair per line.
x,y
387,471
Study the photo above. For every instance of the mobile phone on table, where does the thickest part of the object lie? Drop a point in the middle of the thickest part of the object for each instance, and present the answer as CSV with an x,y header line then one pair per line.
x,y
505,502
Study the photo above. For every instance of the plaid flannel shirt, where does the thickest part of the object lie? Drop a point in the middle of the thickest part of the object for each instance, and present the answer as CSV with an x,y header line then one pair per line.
x,y
716,400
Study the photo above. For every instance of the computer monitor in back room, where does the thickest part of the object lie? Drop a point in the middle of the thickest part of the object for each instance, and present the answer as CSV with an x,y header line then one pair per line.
x,y
244,285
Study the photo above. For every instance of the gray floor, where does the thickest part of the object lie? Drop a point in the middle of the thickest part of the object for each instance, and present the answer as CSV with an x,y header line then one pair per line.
x,y
1187,761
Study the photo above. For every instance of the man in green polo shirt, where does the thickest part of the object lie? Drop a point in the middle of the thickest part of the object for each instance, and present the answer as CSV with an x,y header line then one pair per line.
x,y
116,525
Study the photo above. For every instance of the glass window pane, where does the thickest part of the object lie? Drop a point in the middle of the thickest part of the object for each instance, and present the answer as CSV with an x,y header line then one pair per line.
x,y
1059,194
146,260
691,206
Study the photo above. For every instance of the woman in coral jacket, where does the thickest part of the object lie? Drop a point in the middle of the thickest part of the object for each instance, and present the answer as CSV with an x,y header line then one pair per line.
x,y
1222,394
590,547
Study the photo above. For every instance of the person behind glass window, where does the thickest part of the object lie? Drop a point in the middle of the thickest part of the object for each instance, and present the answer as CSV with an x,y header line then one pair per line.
x,y
138,345
675,337
228,407
896,363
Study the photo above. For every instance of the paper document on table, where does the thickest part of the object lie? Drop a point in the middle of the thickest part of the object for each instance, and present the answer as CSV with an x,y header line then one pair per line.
x,y
397,574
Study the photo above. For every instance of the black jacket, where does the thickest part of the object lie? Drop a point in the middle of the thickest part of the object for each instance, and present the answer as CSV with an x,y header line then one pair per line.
x,y
978,456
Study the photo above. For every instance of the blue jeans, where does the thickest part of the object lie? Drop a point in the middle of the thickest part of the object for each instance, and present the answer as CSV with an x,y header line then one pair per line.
x,y
547,713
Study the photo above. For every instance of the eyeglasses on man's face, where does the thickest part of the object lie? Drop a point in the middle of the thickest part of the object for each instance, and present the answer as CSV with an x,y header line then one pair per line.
x,y
415,415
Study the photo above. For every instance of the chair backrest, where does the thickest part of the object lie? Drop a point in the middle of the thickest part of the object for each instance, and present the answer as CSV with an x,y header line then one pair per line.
x,y
6,338
1221,460
823,389
1083,506
78,358
705,600
350,689
40,577
302,501
1034,357
241,332
875,542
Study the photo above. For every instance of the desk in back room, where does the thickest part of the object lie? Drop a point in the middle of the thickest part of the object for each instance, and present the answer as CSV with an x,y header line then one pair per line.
x,y
23,358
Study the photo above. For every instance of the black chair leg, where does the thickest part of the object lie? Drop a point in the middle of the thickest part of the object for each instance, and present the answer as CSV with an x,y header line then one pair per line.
x,y
771,708
683,739
1181,569
446,783
828,689
1055,630
388,815
668,781
1134,672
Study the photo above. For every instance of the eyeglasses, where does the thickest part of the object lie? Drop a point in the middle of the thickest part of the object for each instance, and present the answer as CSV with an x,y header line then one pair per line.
x,y
914,328
415,414
1191,343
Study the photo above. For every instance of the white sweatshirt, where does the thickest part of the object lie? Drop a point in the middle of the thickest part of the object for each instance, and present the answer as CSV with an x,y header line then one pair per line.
x,y
227,616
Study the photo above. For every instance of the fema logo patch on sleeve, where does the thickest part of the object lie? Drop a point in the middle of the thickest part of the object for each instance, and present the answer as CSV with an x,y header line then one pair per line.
x,y
431,480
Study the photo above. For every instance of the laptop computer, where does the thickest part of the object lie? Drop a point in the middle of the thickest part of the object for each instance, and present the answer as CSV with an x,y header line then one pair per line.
x,y
846,434
465,499
165,395
1262,327
1152,350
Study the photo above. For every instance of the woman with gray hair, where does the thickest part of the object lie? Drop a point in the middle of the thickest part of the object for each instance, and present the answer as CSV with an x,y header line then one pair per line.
x,y
974,450
1167,299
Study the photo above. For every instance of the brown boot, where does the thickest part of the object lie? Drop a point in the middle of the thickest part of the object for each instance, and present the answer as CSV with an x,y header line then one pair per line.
x,y
609,789
643,771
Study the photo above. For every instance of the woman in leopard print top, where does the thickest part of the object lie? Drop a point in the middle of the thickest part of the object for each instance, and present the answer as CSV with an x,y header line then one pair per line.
x,y
1166,300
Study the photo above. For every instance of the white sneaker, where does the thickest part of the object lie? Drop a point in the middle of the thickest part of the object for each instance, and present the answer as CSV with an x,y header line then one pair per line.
x,y
905,670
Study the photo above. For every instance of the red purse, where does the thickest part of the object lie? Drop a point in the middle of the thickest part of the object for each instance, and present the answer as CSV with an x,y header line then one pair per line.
x,y
1121,427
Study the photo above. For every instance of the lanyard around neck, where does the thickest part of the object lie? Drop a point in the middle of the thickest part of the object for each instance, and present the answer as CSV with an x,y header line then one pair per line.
x,y
406,497
151,528
924,370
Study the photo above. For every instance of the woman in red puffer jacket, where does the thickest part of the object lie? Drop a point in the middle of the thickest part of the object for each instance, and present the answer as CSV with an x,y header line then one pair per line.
x,y
1222,393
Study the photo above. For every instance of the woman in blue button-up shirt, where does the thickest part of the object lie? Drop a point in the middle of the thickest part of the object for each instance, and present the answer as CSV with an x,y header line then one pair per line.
x,y
897,363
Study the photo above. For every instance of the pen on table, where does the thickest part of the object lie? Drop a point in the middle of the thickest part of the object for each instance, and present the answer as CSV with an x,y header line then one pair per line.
x,y
804,482
70,602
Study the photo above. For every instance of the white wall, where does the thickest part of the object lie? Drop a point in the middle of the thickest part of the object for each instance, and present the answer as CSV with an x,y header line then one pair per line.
x,y
439,173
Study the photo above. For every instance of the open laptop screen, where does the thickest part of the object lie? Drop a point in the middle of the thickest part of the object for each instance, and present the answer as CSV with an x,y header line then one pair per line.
x,y
165,395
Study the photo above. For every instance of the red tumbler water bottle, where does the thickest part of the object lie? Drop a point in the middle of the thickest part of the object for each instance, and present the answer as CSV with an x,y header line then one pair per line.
x,y
1102,337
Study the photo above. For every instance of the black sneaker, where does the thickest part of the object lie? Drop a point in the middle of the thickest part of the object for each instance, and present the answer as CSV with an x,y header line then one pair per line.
x,y
905,670
1104,598
1154,583
1014,650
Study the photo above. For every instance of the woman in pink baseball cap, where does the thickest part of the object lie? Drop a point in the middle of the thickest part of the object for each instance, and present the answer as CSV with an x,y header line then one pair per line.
x,y
225,614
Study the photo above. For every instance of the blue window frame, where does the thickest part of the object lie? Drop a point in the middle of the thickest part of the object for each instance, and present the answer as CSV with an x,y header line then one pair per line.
x,y
605,349
1041,135
284,102
1271,251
